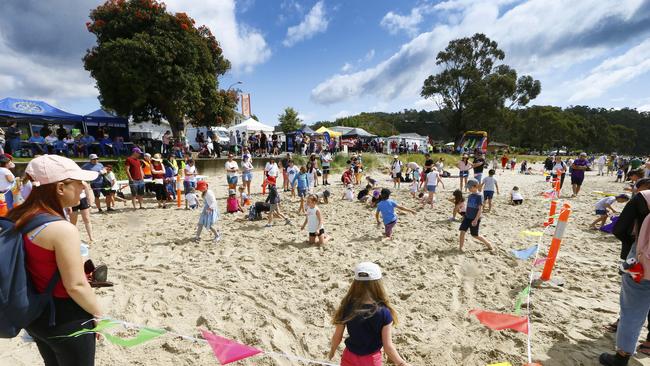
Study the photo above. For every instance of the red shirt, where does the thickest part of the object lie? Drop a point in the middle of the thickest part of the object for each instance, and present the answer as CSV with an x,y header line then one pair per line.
x,y
41,265
134,167
159,167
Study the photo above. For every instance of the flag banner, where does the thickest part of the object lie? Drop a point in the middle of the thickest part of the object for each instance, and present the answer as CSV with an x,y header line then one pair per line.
x,y
539,261
521,297
525,253
498,321
226,350
143,335
531,233
101,326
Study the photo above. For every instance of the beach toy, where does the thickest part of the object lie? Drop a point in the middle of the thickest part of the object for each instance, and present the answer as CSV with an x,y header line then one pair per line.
x,y
556,242
634,268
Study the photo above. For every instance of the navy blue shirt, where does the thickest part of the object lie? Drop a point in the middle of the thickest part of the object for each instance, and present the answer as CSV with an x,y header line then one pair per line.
x,y
364,330
474,202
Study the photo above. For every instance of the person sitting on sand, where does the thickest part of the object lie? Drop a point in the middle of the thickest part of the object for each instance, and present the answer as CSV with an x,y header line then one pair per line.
x,y
472,219
605,204
375,198
364,194
386,208
314,222
323,197
516,198
347,176
232,203
192,199
244,198
371,181
459,204
368,315
348,194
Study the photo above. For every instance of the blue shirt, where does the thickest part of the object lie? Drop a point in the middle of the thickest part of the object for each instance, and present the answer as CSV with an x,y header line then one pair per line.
x,y
365,331
387,210
36,140
474,202
302,180
87,140
96,168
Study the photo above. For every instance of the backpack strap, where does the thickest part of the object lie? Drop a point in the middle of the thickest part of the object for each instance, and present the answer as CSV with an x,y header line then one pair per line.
x,y
39,220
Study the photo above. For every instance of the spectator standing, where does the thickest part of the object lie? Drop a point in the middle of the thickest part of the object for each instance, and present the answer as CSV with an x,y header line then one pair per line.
x,y
97,184
136,176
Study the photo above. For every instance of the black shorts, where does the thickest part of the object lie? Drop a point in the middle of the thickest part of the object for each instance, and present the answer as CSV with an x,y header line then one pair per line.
x,y
319,233
83,205
467,224
99,192
326,170
397,176
577,181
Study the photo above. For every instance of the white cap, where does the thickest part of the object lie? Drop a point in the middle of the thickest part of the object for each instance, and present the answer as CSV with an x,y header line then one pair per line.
x,y
48,169
367,271
92,157
395,157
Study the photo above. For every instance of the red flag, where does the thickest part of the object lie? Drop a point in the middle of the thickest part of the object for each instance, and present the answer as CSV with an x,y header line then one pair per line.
x,y
227,351
498,321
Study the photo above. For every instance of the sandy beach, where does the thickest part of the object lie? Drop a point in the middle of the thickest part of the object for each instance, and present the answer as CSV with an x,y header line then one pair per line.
x,y
266,287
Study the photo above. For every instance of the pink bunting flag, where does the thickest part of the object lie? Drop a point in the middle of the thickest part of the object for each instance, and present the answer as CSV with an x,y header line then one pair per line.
x,y
226,350
498,321
539,261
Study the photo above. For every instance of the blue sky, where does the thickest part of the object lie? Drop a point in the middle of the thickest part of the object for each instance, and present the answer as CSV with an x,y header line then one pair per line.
x,y
329,59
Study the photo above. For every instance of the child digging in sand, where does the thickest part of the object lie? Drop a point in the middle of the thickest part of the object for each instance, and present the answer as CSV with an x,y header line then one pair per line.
x,y
314,222
606,204
386,207
368,316
472,219
459,204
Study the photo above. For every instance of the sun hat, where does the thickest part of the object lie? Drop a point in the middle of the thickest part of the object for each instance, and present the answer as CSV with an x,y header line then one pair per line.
x,y
136,150
367,271
583,154
231,192
47,169
395,157
147,155
92,157
157,157
201,185
471,183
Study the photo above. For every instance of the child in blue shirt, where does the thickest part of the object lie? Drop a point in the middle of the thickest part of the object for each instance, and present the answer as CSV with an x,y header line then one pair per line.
x,y
368,316
472,218
386,207
303,184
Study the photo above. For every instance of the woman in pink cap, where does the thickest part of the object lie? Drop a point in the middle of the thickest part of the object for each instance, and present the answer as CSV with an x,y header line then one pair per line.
x,y
52,248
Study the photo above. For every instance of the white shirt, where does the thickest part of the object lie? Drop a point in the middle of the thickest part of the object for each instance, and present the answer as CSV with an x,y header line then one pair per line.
x,y
291,172
560,167
4,183
396,167
231,165
602,160
210,199
326,159
463,166
190,173
603,203
489,184
272,169
516,195
191,199
413,165
111,178
414,186
440,166
312,220
247,166
432,178
349,194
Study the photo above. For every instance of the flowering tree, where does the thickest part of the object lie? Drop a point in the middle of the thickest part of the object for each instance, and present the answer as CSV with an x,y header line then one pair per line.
x,y
151,64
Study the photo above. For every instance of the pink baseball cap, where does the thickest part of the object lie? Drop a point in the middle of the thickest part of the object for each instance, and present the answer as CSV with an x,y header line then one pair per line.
x,y
48,169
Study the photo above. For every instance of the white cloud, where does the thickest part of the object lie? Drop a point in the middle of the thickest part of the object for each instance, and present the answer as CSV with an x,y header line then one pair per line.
x,y
426,104
347,67
613,72
644,108
395,23
315,22
341,114
244,46
582,30
369,56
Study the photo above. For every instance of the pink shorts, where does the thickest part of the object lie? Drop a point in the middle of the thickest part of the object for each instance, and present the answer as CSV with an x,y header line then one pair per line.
x,y
350,359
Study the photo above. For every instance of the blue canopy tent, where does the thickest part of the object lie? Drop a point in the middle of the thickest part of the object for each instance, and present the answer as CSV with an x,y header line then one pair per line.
x,y
32,115
117,126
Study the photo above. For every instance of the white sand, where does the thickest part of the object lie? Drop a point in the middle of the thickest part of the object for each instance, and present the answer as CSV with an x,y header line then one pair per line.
x,y
267,288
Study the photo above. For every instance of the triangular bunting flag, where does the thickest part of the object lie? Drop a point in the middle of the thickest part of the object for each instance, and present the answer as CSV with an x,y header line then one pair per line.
x,y
531,233
498,321
226,350
100,327
525,253
539,261
144,335
520,299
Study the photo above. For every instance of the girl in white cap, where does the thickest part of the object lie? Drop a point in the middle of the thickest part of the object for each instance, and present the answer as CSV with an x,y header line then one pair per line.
x,y
52,249
368,316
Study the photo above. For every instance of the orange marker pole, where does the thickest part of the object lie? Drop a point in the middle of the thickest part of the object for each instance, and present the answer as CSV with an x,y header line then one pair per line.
x,y
555,242
178,191
551,213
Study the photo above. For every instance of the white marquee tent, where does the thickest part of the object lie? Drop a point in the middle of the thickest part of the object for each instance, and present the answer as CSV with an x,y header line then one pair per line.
x,y
250,125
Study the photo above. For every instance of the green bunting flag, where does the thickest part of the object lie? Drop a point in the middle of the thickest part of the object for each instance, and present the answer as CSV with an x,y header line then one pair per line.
x,y
101,326
520,299
144,335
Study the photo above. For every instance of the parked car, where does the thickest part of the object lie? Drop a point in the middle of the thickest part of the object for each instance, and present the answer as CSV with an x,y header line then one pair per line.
x,y
216,133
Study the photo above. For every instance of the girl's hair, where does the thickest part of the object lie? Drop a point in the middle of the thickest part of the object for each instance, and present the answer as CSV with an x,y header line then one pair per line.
x,y
241,188
458,196
385,194
515,188
312,198
303,169
42,199
360,292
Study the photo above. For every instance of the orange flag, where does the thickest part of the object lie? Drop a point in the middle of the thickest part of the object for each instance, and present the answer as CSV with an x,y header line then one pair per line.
x,y
498,321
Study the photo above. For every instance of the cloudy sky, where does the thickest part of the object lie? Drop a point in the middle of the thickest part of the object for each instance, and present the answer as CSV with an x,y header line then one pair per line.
x,y
330,58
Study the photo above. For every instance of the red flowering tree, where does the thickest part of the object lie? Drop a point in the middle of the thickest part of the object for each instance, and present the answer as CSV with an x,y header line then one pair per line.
x,y
151,64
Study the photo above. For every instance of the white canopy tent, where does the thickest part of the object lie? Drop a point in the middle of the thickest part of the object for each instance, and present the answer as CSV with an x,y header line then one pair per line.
x,y
250,125
149,129
409,139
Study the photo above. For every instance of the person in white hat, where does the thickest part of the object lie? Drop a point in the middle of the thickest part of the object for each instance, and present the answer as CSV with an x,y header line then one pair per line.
x,y
97,185
57,183
368,316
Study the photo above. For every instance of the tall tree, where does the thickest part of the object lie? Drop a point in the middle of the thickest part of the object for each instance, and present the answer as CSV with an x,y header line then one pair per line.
x,y
289,120
472,89
151,64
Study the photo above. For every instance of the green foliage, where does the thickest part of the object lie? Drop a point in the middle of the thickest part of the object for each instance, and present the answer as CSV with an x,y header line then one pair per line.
x,y
120,170
289,120
473,91
151,64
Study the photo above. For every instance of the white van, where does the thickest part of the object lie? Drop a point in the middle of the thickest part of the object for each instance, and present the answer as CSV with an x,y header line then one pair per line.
x,y
217,132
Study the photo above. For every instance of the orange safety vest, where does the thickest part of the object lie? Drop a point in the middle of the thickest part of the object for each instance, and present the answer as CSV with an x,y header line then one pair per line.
x,y
146,167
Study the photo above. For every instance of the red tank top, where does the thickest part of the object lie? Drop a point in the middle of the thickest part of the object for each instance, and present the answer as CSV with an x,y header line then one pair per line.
x,y
41,265
159,167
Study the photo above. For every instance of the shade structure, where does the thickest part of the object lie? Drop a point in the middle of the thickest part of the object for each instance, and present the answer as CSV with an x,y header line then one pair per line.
x,y
332,133
358,132
34,109
251,125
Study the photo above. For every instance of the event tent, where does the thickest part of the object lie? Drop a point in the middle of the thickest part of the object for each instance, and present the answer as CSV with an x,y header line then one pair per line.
x,y
118,126
332,133
251,125
409,139
34,110
358,132
148,130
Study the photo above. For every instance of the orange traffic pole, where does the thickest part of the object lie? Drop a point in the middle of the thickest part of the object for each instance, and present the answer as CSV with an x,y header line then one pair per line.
x,y
555,242
178,190
551,214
